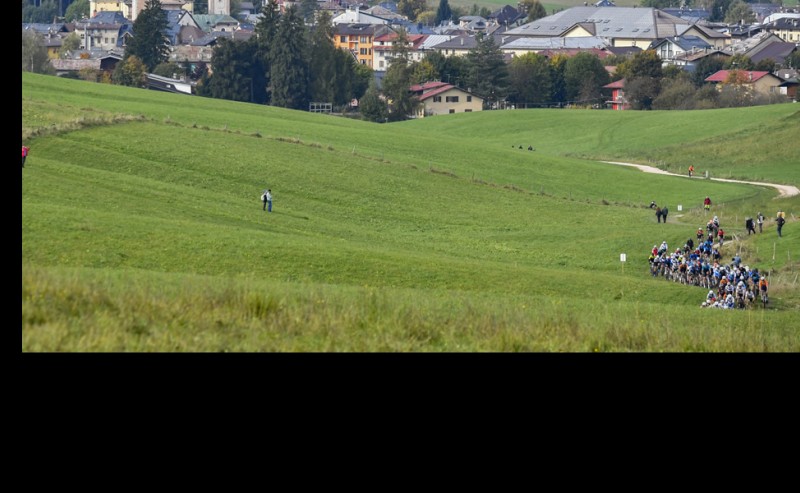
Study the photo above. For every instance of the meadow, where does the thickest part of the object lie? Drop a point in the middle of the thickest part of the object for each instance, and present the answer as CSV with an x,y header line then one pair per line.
x,y
142,230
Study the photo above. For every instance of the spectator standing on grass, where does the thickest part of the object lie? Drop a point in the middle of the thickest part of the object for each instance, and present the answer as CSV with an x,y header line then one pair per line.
x,y
664,212
658,214
268,199
751,228
760,221
707,203
780,220
691,170
25,150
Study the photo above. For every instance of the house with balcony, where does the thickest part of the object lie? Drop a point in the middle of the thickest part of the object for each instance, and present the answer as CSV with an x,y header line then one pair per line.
x,y
441,98
618,101
671,50
358,40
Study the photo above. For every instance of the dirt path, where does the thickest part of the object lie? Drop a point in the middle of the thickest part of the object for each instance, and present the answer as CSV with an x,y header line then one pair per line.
x,y
784,190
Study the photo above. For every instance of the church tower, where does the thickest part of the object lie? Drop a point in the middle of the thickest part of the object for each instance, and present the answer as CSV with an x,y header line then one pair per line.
x,y
219,7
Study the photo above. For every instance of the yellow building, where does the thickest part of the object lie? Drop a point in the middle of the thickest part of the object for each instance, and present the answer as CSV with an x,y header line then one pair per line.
x,y
357,39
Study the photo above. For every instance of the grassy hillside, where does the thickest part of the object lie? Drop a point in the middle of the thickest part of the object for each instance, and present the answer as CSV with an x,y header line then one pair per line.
x,y
142,229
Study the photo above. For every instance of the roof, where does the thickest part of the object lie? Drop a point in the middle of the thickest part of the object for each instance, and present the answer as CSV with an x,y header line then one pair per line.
x,y
723,75
623,50
617,84
581,42
776,51
437,88
206,22
108,17
45,28
685,42
506,15
570,52
693,15
427,86
462,42
355,28
615,22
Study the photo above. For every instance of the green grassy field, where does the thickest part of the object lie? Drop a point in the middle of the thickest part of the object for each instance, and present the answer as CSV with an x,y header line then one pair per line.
x,y
142,229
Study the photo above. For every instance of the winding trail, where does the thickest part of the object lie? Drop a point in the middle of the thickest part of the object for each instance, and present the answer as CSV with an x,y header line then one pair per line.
x,y
784,190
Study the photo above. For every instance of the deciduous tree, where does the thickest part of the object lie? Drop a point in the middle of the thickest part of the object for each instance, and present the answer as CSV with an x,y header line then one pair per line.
x,y
530,79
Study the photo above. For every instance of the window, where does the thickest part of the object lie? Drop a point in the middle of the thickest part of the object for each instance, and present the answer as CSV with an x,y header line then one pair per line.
x,y
469,99
468,110
452,111
451,99
380,64
363,39
362,51
437,99
343,39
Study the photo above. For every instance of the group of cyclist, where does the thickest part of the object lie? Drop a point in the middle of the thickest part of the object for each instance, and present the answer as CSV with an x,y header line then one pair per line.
x,y
730,286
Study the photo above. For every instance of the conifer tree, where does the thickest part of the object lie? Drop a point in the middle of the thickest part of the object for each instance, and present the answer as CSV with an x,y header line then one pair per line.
x,y
149,40
289,70
443,13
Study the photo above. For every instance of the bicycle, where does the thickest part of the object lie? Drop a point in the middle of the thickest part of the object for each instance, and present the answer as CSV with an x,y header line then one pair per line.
x,y
764,298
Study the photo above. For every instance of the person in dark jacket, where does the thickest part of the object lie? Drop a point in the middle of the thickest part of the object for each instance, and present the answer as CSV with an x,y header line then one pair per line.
x,y
751,227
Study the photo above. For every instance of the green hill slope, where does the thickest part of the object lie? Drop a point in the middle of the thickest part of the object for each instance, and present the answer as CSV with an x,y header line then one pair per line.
x,y
142,229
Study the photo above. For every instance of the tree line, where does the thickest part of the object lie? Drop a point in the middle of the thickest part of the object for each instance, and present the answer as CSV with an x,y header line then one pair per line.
x,y
289,64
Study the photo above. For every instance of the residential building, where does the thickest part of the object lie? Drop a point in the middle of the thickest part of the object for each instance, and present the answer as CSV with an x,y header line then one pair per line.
x,y
671,50
757,81
358,40
440,98
618,101
219,7
104,31
786,28
383,47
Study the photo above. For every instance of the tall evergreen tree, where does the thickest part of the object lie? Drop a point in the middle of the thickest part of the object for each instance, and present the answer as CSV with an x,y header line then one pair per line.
x,y
266,29
486,73
323,66
397,81
149,40
289,71
443,13
237,75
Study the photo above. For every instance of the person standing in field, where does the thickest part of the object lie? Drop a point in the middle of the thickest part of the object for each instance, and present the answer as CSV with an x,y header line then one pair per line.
x,y
658,214
707,203
268,200
664,212
760,221
751,228
25,150
691,170
780,220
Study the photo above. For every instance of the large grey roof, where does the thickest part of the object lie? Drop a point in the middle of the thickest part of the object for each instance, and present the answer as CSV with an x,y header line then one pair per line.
x,y
611,22
582,42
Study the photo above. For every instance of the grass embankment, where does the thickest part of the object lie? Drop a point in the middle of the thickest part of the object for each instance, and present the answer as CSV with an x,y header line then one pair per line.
x,y
142,231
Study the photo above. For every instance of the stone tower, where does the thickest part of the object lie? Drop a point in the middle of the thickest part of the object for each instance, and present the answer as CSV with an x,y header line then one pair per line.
x,y
219,7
